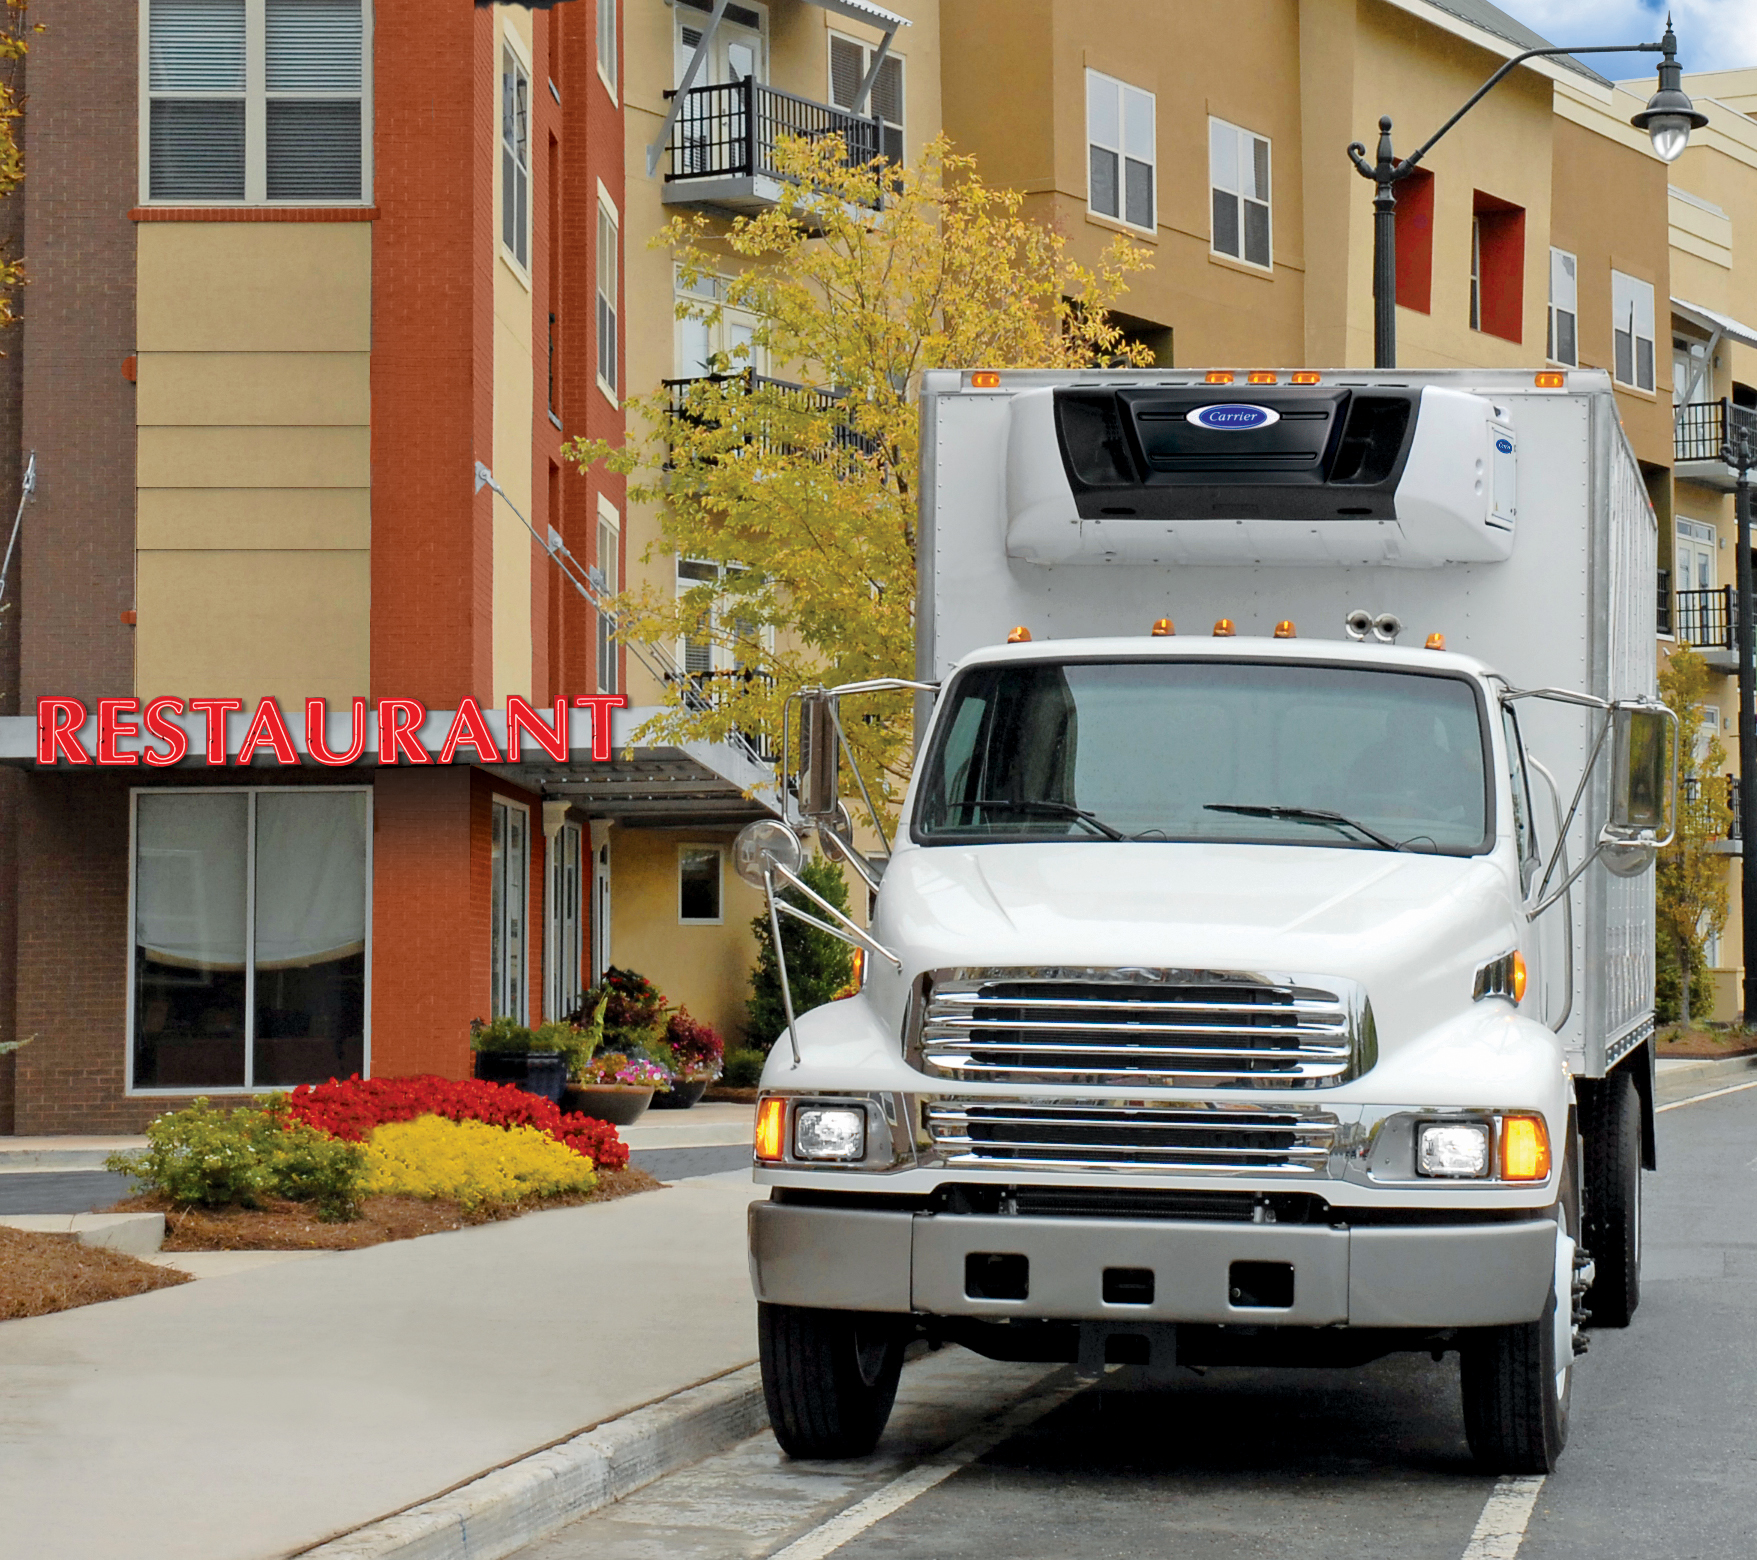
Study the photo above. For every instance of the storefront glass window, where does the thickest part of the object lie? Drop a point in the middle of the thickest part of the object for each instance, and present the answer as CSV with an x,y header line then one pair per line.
x,y
249,978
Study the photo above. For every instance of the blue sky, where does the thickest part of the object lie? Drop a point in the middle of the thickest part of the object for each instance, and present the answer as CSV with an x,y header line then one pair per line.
x,y
1712,34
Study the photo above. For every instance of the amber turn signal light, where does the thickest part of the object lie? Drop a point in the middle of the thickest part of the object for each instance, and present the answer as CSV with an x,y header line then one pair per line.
x,y
1259,377
771,1128
1518,976
1224,629
985,379
1525,1149
1019,635
1217,376
1551,381
1285,629
1436,641
1163,628
1305,378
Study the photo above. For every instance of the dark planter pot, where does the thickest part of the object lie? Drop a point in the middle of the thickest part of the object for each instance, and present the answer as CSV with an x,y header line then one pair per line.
x,y
543,1073
621,1104
681,1095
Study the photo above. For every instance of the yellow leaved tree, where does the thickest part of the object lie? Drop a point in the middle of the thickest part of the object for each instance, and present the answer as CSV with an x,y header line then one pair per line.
x,y
794,496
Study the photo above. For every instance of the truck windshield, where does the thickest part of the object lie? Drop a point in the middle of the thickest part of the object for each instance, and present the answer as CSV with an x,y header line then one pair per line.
x,y
1252,752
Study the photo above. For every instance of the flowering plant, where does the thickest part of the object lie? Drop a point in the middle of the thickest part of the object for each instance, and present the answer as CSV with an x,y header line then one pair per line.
x,y
614,1067
351,1108
696,1047
471,1163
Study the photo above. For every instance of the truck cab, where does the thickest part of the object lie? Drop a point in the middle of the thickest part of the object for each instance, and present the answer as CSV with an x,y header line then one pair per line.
x,y
1228,990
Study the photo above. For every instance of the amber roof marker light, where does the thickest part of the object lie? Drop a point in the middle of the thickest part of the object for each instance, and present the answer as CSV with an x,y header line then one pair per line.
x,y
1261,377
1224,629
1019,635
1436,641
1551,381
1217,376
985,379
1305,377
1163,628
1285,629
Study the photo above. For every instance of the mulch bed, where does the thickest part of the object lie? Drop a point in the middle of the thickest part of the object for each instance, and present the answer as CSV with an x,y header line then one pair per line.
x,y
291,1226
1707,1044
44,1273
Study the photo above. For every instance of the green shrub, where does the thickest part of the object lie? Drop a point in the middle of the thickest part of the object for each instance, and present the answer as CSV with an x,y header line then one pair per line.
x,y
503,1035
818,965
1665,984
220,1158
743,1068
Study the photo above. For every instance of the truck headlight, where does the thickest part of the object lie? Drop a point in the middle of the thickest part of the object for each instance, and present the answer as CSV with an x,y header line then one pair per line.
x,y
1454,1149
829,1132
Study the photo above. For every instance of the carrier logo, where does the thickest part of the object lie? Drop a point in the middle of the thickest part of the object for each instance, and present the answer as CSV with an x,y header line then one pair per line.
x,y
1232,418
1505,446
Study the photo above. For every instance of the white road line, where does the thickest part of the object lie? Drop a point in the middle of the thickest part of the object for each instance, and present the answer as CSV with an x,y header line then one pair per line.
x,y
832,1535
1500,1530
1695,1098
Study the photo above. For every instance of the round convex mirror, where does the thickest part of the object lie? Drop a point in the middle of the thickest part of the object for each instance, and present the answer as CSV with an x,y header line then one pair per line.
x,y
764,845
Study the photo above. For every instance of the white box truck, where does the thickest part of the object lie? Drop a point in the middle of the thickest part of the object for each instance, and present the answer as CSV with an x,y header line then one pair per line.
x,y
1262,968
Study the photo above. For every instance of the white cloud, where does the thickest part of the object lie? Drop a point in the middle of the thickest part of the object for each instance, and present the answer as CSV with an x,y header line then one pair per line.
x,y
1712,34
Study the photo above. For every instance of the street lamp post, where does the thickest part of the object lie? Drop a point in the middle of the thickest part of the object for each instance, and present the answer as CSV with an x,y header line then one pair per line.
x,y
1669,118
1740,450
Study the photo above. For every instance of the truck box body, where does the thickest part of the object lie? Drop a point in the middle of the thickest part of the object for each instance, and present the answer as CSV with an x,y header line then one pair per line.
x,y
1569,604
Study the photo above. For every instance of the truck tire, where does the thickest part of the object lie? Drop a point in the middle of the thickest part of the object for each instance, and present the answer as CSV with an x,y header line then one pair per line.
x,y
1516,1400
1611,1125
829,1378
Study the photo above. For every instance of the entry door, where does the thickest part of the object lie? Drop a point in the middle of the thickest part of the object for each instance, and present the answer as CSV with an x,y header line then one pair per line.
x,y
1697,618
509,904
601,955
562,947
711,128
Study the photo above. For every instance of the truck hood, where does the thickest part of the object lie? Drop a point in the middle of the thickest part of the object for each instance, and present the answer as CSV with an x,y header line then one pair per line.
x,y
1412,928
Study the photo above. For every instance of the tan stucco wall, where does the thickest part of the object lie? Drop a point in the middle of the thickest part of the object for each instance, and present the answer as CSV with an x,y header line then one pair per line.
x,y
253,469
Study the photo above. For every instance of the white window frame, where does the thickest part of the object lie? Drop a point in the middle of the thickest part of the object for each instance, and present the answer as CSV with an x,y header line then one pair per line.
x,y
560,916
719,854
513,50
1119,151
606,47
1560,270
602,304
255,97
1476,272
610,581
867,50
498,980
183,1091
1243,146
1633,288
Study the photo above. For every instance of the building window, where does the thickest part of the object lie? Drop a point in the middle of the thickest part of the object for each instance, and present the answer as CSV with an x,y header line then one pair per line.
x,y
561,947
1563,345
249,911
1632,330
1497,267
1415,241
849,63
698,885
508,909
607,43
1238,176
1120,151
697,650
256,100
515,158
608,241
609,545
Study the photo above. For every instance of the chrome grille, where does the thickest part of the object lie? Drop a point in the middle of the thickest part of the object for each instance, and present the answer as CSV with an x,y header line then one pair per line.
x,y
1177,1028
1097,1135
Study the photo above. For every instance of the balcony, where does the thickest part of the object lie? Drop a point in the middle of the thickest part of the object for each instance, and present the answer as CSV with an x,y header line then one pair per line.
x,y
721,154
809,400
1733,843
1708,620
1706,439
713,690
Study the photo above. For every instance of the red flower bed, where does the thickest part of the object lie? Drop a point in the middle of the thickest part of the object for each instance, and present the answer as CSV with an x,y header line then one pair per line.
x,y
350,1110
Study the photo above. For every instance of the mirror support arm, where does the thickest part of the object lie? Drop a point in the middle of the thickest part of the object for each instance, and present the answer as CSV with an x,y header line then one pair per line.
x,y
1573,811
862,867
850,933
781,964
1567,903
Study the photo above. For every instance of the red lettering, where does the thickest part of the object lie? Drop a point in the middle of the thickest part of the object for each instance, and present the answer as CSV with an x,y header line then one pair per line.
x,y
58,723
112,728
470,728
398,721
317,718
601,704
174,737
268,729
216,711
520,717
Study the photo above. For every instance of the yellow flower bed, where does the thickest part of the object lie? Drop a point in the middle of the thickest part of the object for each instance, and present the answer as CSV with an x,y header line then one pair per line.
x,y
471,1162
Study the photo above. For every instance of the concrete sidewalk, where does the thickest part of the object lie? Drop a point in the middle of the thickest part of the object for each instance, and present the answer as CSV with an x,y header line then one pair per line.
x,y
256,1414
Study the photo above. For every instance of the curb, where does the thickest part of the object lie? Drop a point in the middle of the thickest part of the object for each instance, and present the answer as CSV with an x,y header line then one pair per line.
x,y
491,1516
1690,1080
137,1234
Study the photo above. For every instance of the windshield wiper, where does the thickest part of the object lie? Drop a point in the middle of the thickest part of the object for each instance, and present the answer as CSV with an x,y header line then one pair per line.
x,y
1334,820
1048,810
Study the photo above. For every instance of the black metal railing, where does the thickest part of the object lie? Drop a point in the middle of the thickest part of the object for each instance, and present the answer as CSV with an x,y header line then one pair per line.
x,y
1713,430
810,399
731,131
714,690
1733,831
1662,620
1707,619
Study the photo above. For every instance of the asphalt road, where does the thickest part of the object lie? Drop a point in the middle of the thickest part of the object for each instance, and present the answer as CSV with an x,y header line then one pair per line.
x,y
1021,1462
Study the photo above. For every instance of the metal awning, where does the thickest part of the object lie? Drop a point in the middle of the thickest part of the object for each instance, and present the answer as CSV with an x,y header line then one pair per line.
x,y
1715,323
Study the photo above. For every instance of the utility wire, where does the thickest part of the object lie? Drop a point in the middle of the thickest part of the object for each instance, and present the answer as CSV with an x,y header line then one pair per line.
x,y
28,487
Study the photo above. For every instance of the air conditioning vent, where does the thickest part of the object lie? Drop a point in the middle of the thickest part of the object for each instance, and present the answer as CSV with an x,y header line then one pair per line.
x,y
1372,440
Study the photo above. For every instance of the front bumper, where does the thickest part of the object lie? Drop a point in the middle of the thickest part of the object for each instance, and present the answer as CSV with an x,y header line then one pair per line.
x,y
1414,1276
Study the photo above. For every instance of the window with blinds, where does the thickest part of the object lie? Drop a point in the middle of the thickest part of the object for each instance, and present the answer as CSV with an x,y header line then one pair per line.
x,y
608,242
849,64
256,100
607,43
1121,151
515,158
1238,178
609,579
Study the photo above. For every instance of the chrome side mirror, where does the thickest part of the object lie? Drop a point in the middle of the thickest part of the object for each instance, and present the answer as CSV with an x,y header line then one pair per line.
x,y
1644,784
818,755
765,849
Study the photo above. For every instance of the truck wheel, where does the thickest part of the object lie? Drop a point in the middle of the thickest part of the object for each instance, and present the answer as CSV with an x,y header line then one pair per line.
x,y
1518,1380
1611,1125
829,1378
